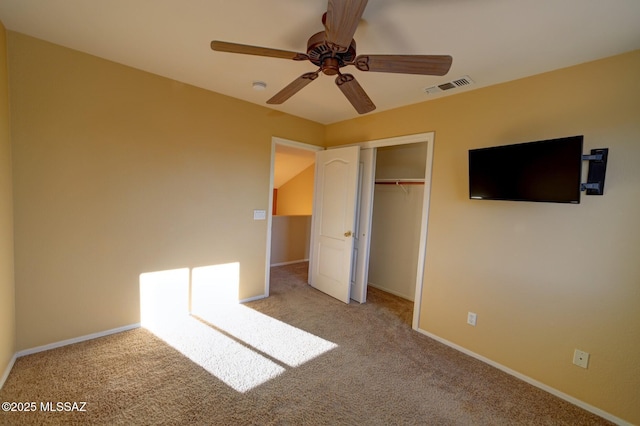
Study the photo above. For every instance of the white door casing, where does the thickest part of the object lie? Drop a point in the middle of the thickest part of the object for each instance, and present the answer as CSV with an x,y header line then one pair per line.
x,y
333,223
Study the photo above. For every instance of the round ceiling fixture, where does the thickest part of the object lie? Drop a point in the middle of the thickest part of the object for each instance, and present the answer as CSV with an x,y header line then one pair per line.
x,y
259,85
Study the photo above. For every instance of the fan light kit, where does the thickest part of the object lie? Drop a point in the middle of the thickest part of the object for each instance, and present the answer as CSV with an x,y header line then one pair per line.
x,y
334,48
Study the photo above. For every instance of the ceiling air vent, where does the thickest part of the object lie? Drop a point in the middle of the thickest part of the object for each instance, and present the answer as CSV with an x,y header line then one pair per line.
x,y
459,82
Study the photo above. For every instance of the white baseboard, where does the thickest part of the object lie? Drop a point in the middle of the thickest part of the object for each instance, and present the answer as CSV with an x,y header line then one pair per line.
x,y
390,291
76,340
251,299
540,385
290,262
7,370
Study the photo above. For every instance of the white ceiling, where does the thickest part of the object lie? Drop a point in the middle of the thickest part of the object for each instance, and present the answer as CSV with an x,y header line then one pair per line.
x,y
491,41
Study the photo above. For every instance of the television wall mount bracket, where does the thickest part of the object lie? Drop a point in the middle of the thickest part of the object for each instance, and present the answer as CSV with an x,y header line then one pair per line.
x,y
597,171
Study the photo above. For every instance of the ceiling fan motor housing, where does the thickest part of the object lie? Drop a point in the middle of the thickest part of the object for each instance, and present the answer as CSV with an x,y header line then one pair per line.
x,y
329,61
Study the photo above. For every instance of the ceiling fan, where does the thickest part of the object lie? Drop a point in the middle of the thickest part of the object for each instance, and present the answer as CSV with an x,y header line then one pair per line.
x,y
334,48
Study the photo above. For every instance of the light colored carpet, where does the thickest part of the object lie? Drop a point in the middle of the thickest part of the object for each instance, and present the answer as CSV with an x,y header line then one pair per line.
x,y
315,361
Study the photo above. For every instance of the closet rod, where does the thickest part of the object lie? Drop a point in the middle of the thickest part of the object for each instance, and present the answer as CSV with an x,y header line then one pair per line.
x,y
400,181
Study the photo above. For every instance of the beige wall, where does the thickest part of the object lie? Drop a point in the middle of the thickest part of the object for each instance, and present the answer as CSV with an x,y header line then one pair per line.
x,y
290,239
543,278
119,172
7,299
401,161
291,229
295,197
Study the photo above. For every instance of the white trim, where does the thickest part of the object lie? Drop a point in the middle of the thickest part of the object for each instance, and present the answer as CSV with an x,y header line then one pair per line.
x,y
424,225
290,262
365,200
390,291
398,140
7,370
540,385
251,299
267,261
77,340
295,144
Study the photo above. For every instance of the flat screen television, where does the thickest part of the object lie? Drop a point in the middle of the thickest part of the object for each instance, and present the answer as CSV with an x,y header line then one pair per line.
x,y
545,171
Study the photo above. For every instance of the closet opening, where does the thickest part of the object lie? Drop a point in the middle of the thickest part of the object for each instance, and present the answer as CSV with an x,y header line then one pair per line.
x,y
397,216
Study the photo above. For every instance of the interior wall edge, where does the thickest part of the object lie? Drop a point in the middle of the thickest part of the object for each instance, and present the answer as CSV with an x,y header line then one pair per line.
x,y
7,240
7,370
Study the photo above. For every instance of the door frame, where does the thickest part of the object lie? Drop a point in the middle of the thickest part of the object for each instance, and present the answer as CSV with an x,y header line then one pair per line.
x,y
422,248
377,143
290,143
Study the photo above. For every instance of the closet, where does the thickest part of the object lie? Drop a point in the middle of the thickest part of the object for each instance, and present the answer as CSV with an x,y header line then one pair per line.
x,y
396,218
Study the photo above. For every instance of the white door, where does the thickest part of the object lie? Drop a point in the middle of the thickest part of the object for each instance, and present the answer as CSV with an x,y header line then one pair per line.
x,y
362,234
334,214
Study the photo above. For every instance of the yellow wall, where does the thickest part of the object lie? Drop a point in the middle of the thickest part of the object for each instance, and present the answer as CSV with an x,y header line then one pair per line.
x,y
401,161
119,172
290,239
7,304
543,278
295,197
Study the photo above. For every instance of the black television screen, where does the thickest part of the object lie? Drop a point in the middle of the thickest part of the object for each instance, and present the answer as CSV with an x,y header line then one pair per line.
x,y
546,171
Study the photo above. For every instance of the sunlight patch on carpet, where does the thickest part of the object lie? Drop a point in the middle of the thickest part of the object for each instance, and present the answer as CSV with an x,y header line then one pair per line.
x,y
277,339
197,312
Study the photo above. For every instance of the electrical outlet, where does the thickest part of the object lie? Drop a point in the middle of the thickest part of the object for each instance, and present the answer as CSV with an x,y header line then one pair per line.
x,y
472,317
581,358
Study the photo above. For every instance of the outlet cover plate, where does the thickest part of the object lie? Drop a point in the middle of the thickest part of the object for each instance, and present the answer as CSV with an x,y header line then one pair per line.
x,y
472,318
581,358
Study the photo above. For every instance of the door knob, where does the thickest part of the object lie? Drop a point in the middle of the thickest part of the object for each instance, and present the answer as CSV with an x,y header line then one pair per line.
x,y
347,234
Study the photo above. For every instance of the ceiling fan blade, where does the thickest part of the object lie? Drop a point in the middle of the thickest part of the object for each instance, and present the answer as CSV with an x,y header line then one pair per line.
x,y
341,22
355,93
405,64
294,87
223,46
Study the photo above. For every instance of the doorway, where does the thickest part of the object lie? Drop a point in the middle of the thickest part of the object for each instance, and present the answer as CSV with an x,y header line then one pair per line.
x,y
290,203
